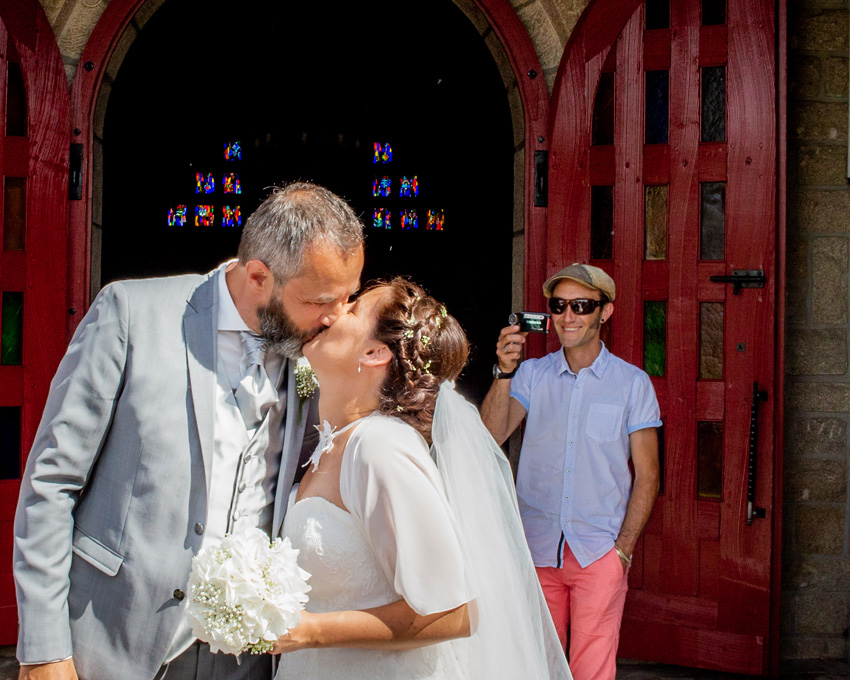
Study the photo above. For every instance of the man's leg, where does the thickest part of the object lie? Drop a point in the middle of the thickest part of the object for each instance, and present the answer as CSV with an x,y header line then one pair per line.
x,y
199,663
558,598
598,593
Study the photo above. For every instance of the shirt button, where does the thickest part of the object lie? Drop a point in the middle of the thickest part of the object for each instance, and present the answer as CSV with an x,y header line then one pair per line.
x,y
235,516
247,457
242,487
199,528
569,470
566,498
178,594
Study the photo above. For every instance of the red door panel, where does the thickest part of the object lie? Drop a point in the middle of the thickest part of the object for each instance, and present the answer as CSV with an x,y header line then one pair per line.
x,y
682,188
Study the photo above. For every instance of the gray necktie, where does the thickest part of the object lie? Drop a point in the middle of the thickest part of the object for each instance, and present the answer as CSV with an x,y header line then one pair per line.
x,y
255,393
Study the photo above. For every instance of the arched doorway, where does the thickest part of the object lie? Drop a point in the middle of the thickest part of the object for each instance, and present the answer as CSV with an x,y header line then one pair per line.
x,y
663,171
34,143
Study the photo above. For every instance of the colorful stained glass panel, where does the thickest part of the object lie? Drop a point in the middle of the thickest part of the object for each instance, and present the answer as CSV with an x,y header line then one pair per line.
x,y
655,222
382,152
231,216
10,442
12,329
177,216
602,222
204,183
435,220
204,215
713,103
709,460
711,341
381,218
408,219
232,151
712,244
382,187
657,106
603,111
654,337
408,187
14,212
232,184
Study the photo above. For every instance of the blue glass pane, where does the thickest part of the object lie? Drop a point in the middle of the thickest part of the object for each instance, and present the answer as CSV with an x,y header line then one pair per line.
x,y
10,442
714,104
12,329
657,14
232,151
602,222
603,110
657,106
382,187
712,244
713,12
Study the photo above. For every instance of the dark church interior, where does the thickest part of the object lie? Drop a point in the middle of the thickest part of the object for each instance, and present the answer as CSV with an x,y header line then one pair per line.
x,y
307,91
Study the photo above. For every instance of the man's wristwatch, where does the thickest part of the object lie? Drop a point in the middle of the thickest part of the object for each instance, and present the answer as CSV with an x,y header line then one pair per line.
x,y
498,375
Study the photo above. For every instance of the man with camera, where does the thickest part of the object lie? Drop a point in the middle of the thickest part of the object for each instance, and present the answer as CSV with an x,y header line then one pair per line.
x,y
588,413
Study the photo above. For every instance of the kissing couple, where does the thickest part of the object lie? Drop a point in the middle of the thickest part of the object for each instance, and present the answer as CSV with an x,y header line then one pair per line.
x,y
174,419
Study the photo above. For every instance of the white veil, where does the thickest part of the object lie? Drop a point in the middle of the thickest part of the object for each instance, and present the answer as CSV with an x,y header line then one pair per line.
x,y
513,632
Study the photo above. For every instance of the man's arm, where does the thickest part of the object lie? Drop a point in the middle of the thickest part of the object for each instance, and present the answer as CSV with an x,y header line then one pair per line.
x,y
76,419
59,670
501,414
644,446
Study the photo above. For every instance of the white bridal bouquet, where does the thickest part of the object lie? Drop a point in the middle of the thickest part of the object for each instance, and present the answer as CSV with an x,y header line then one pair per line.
x,y
246,592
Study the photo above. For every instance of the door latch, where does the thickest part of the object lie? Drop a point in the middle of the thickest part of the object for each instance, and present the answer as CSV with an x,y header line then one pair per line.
x,y
743,278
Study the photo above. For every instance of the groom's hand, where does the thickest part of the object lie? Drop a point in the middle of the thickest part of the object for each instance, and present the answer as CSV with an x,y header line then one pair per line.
x,y
59,670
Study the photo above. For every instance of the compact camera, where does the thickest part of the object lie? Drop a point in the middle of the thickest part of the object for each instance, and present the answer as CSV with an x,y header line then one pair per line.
x,y
531,322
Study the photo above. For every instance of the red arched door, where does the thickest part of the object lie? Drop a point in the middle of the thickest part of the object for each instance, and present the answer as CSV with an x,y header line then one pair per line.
x,y
663,172
34,150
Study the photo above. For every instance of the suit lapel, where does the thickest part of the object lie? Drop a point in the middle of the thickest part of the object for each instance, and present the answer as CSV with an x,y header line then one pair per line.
x,y
292,438
199,327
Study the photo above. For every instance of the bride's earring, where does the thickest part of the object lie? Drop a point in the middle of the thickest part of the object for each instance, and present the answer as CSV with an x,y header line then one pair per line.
x,y
358,367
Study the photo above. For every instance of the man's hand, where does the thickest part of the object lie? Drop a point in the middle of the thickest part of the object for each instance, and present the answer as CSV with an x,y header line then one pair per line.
x,y
509,348
59,670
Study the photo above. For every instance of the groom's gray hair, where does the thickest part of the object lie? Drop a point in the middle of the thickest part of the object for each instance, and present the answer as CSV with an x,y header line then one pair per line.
x,y
294,218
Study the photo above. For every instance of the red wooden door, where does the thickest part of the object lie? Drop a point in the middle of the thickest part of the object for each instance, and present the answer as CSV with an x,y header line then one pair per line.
x,y
34,150
663,172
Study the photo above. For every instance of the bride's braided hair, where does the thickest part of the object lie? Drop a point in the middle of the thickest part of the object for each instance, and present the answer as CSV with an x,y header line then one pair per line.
x,y
428,347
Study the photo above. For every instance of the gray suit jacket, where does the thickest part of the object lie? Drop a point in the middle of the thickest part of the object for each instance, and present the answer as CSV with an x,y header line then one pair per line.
x,y
118,476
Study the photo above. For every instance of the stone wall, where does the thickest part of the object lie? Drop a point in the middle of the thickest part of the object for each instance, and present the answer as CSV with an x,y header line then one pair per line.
x,y
816,561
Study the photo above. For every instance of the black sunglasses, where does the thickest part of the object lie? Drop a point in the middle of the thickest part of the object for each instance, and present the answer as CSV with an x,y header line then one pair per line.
x,y
580,306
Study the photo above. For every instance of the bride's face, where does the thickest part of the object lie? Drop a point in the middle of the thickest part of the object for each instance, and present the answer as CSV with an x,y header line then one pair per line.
x,y
337,350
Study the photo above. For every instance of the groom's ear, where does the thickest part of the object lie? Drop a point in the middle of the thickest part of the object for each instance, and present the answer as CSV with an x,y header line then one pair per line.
x,y
260,279
376,354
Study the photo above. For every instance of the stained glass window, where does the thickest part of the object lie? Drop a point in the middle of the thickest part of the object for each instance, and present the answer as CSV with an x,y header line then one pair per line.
x,y
602,222
12,329
603,111
713,103
177,216
654,337
435,220
408,187
709,459
407,219
712,244
14,212
382,187
231,216
382,153
231,182
10,442
381,218
232,151
657,106
204,183
204,215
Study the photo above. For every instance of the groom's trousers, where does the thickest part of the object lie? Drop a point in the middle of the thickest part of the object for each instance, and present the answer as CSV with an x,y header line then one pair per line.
x,y
199,663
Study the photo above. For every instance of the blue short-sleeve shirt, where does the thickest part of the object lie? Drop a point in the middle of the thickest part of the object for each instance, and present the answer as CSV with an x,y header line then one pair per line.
x,y
574,481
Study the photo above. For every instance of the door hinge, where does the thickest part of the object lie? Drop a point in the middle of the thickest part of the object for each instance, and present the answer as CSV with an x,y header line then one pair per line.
x,y
541,179
75,176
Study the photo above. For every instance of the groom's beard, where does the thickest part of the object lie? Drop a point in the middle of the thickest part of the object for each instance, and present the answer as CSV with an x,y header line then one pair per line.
x,y
281,334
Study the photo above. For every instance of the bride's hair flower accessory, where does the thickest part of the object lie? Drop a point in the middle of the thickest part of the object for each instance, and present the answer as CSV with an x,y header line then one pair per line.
x,y
425,340
408,333
427,366
399,408
306,383
443,311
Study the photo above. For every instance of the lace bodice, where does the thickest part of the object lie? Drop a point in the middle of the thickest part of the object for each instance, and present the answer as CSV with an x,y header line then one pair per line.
x,y
345,575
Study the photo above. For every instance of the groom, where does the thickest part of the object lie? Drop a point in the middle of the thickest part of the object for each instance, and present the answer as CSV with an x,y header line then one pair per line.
x,y
172,420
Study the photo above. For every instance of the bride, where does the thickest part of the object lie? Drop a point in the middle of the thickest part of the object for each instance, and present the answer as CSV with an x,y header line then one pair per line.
x,y
419,564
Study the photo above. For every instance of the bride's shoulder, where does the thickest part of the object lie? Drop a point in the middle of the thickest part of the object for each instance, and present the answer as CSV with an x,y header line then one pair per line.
x,y
380,436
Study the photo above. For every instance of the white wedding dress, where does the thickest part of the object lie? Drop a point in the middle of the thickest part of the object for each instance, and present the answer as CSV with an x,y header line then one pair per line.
x,y
397,539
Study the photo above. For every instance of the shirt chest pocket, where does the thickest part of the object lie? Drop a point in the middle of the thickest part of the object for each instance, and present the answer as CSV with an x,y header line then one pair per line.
x,y
604,422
